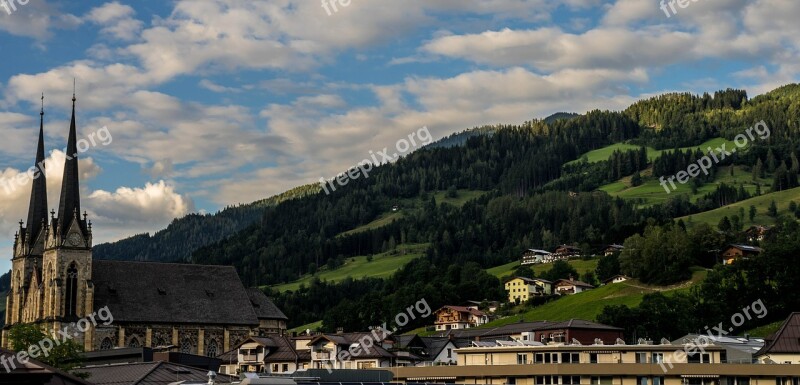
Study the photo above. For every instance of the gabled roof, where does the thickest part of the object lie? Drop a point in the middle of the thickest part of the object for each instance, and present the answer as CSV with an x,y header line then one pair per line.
x,y
579,324
607,280
529,280
281,349
785,340
574,282
150,292
263,306
615,246
149,373
463,309
347,339
31,371
753,249
539,251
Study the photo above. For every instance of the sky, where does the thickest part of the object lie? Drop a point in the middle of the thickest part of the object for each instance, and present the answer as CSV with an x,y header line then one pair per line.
x,y
204,104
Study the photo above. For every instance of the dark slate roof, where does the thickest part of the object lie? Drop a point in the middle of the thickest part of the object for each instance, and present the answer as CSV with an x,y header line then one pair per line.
x,y
32,370
347,339
148,373
785,340
263,306
579,324
171,293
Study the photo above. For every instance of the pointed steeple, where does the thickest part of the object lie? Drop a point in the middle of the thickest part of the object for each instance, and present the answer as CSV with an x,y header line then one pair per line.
x,y
37,211
70,202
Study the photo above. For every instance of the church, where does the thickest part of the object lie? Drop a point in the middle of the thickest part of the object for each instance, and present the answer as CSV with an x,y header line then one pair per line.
x,y
204,310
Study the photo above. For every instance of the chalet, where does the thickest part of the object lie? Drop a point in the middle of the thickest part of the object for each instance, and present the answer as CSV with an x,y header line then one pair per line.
x,y
613,249
272,353
520,289
485,306
757,233
570,286
783,347
567,251
459,317
735,252
333,351
534,256
616,279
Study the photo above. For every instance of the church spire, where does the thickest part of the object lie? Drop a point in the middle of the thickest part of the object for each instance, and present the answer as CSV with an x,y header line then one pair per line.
x,y
37,211
70,202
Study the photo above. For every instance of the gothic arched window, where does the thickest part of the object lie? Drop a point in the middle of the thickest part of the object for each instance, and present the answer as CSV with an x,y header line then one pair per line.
x,y
211,349
71,307
106,344
186,346
133,343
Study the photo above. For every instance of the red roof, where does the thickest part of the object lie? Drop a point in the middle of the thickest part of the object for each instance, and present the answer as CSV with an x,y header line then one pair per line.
x,y
464,309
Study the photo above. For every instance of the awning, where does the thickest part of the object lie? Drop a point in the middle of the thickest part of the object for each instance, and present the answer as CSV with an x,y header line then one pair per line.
x,y
700,376
429,378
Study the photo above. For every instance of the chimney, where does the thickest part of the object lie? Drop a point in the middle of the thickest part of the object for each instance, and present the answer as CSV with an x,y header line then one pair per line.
x,y
340,330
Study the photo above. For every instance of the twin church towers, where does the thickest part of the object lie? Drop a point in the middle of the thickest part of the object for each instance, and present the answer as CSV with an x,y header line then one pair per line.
x,y
52,260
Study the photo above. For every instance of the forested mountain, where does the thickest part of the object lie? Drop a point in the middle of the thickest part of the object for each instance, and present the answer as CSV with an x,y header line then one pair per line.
x,y
184,235
533,194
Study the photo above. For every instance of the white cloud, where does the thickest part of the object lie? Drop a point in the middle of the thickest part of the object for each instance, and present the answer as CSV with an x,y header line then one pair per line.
x,y
35,19
117,20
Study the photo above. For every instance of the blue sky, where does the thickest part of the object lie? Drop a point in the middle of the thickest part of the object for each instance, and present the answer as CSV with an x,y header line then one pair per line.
x,y
214,103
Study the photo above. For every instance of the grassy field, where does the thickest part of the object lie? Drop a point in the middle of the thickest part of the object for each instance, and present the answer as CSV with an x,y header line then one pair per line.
x,y
651,191
781,198
382,266
463,196
589,304
602,154
580,265
766,330
312,326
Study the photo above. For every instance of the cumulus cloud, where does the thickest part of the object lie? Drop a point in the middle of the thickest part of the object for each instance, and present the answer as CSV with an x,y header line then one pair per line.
x,y
35,19
116,20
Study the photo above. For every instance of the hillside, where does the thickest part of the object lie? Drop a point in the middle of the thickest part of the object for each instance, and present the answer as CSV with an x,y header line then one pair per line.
x,y
761,203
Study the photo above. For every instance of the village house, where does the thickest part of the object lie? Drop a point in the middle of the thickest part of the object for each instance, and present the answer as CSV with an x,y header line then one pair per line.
x,y
570,286
757,233
613,249
783,347
274,354
432,351
567,251
736,252
459,317
534,256
355,351
616,279
485,306
520,289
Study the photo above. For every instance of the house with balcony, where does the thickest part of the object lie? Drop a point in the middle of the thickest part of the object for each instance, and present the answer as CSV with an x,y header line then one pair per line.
x,y
570,286
616,279
534,256
272,354
520,289
459,317
363,350
735,252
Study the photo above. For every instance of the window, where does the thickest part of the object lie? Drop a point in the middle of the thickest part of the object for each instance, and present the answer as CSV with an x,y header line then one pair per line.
x,y
658,380
658,358
601,380
698,358
571,380
641,381
449,353
274,368
522,359
186,346
641,358
739,381
593,358
133,343
545,358
71,307
106,344
285,368
570,358
211,348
